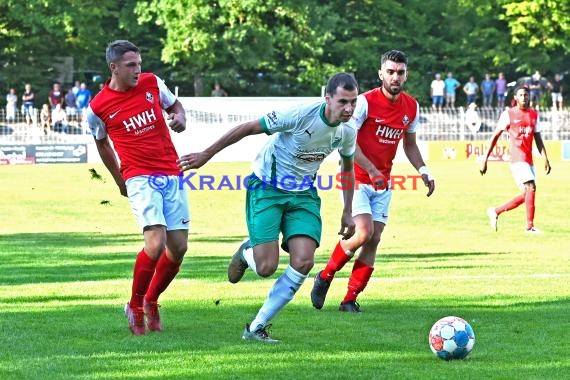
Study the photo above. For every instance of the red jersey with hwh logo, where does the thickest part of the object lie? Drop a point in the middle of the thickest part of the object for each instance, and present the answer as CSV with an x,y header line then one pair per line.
x,y
135,123
381,125
521,125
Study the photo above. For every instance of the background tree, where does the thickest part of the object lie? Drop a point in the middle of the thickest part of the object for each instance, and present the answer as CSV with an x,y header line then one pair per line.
x,y
252,47
35,35
283,47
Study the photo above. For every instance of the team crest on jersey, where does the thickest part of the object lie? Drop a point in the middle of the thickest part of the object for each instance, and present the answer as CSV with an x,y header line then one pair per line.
x,y
336,142
149,97
271,117
406,120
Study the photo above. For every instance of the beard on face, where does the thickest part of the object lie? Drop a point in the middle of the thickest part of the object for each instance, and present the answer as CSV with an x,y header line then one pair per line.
x,y
391,90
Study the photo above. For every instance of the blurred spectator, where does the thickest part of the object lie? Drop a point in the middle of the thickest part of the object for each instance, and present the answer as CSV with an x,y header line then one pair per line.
x,y
535,87
451,86
437,89
471,89
45,119
556,89
59,119
472,119
29,99
501,90
75,88
83,98
218,90
70,105
487,89
11,105
55,96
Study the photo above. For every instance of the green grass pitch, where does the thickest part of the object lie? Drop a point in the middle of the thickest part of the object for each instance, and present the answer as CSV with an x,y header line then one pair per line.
x,y
68,244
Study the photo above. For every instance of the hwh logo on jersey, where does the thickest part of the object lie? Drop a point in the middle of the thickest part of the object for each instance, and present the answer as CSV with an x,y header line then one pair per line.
x,y
525,131
140,120
387,132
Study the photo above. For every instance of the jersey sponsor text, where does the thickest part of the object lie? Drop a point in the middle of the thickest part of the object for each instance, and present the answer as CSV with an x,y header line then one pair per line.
x,y
139,120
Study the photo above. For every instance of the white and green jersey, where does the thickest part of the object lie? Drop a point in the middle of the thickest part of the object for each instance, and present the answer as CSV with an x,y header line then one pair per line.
x,y
302,139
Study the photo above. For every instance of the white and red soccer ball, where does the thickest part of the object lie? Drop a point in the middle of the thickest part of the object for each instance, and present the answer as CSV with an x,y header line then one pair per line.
x,y
451,338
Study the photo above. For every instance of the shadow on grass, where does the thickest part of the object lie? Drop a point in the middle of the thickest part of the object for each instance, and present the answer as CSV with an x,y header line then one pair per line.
x,y
66,257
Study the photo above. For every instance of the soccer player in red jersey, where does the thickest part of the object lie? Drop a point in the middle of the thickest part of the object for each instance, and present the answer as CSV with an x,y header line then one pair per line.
x,y
129,111
384,116
522,125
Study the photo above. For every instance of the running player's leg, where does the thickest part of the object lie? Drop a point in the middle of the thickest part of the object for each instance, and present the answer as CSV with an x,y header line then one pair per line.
x,y
530,193
146,204
177,217
362,269
144,268
302,250
364,265
345,249
260,251
301,228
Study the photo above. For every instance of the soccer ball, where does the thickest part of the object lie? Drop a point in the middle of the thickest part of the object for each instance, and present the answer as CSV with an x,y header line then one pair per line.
x,y
451,338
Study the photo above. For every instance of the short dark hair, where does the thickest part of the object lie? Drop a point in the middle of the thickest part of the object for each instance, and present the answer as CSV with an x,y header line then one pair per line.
x,y
522,86
394,56
344,80
117,48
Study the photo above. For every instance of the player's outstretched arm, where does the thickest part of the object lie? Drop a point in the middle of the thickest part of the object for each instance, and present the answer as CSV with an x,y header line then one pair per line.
x,y
415,157
110,160
542,149
196,160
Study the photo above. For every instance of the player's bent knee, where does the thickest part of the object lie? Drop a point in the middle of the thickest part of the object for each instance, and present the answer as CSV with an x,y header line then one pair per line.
x,y
178,254
178,249
154,250
266,269
374,240
361,237
303,266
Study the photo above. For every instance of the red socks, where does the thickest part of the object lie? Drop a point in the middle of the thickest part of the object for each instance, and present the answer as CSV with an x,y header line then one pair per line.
x,y
529,203
166,270
528,199
336,262
361,273
142,275
513,203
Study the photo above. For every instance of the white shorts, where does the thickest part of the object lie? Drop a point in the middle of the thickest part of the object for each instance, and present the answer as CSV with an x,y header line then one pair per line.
x,y
522,172
159,201
367,200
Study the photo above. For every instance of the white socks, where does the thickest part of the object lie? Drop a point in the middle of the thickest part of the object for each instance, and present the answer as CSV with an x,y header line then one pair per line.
x,y
248,256
280,294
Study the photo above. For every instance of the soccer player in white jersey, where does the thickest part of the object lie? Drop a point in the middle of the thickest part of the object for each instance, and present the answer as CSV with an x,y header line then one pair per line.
x,y
384,116
129,111
280,196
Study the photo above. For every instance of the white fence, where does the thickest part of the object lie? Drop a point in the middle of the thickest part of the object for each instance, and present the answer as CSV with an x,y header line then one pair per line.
x,y
208,118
